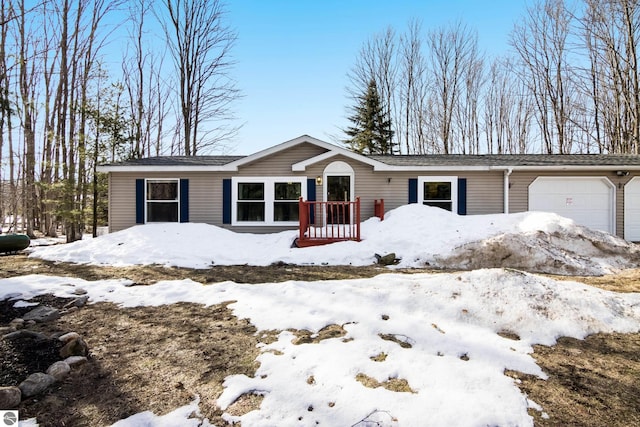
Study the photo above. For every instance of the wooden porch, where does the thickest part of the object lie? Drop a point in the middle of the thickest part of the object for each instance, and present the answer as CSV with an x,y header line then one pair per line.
x,y
329,222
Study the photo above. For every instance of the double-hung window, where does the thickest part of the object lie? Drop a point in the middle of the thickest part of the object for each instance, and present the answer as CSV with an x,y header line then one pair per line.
x,y
162,200
285,203
439,191
266,200
251,201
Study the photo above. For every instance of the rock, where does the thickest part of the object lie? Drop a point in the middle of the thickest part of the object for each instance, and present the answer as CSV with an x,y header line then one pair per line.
x,y
25,333
388,259
5,330
59,370
36,383
42,314
69,336
10,397
79,291
75,347
78,302
17,323
74,361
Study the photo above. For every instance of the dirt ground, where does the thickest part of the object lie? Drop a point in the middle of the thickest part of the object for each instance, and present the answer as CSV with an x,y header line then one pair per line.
x,y
160,358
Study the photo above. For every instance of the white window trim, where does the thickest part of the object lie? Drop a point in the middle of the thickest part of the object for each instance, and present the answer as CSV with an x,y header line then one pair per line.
x,y
269,199
146,198
444,178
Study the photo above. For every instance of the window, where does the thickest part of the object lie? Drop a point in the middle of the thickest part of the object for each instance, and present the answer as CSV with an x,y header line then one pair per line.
x,y
266,201
439,191
285,204
250,201
162,200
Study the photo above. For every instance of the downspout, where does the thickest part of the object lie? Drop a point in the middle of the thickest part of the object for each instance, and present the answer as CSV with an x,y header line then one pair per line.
x,y
507,173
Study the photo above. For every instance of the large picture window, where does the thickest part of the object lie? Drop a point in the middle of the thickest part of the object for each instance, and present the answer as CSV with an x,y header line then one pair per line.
x,y
266,200
439,191
162,200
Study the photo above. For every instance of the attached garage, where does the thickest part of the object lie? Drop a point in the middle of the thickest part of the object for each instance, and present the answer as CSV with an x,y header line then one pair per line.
x,y
632,210
589,201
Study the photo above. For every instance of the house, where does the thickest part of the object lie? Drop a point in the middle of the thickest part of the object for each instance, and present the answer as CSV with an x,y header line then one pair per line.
x,y
260,193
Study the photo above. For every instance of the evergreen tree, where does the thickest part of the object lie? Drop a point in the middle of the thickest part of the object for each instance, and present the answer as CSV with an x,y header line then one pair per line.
x,y
371,131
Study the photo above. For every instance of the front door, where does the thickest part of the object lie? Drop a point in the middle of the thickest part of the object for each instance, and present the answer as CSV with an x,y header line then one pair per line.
x,y
338,190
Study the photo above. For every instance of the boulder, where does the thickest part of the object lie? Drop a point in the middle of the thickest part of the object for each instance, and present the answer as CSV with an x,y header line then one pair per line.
x,y
74,361
10,397
388,259
42,313
35,384
59,370
78,302
69,336
17,323
75,347
25,333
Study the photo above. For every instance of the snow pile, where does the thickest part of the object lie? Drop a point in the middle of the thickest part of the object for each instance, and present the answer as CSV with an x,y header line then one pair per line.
x,y
438,333
419,235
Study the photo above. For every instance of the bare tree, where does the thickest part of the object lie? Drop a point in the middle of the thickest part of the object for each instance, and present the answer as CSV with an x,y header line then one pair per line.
x,y
541,43
200,43
146,92
376,62
453,51
412,89
610,31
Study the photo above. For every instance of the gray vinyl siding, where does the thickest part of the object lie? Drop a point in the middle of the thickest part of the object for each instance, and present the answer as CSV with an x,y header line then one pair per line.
x,y
279,164
485,194
205,197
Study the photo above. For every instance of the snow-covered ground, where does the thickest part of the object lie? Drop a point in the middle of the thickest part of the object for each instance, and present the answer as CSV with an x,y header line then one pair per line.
x,y
419,235
453,353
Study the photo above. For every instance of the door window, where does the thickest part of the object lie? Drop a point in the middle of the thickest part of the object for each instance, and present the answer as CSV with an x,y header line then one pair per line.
x,y
338,190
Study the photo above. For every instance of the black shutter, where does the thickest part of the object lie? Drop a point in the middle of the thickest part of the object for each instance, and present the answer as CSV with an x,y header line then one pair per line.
x,y
226,201
413,190
139,201
184,200
462,196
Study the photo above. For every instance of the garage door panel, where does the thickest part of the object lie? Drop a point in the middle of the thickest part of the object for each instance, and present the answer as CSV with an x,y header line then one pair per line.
x,y
632,210
588,201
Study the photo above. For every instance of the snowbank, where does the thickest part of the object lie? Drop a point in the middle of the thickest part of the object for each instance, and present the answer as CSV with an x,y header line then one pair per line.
x,y
419,235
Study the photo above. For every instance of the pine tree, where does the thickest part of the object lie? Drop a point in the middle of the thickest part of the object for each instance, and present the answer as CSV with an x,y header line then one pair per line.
x,y
371,131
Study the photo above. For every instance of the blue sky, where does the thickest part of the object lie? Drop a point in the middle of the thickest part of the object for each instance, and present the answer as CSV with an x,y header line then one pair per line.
x,y
293,56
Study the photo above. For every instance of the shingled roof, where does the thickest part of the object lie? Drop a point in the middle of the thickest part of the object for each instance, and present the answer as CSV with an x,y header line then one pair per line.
x,y
509,160
179,161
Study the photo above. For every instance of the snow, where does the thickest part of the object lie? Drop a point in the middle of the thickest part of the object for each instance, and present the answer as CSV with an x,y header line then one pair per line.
x,y
419,235
452,326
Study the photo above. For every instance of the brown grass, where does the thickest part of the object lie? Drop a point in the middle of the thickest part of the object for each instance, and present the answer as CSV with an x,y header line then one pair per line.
x,y
159,358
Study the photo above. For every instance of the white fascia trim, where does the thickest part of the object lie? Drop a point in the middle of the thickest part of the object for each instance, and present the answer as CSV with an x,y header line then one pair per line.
x,y
607,168
389,168
143,168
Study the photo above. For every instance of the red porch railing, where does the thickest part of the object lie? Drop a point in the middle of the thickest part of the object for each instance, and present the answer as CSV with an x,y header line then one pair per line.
x,y
378,209
328,222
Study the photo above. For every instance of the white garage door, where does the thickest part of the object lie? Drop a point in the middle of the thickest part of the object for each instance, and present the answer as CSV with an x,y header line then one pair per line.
x,y
588,201
632,210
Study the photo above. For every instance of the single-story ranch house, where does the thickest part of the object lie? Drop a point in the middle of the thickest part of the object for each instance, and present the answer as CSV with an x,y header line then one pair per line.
x,y
260,193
